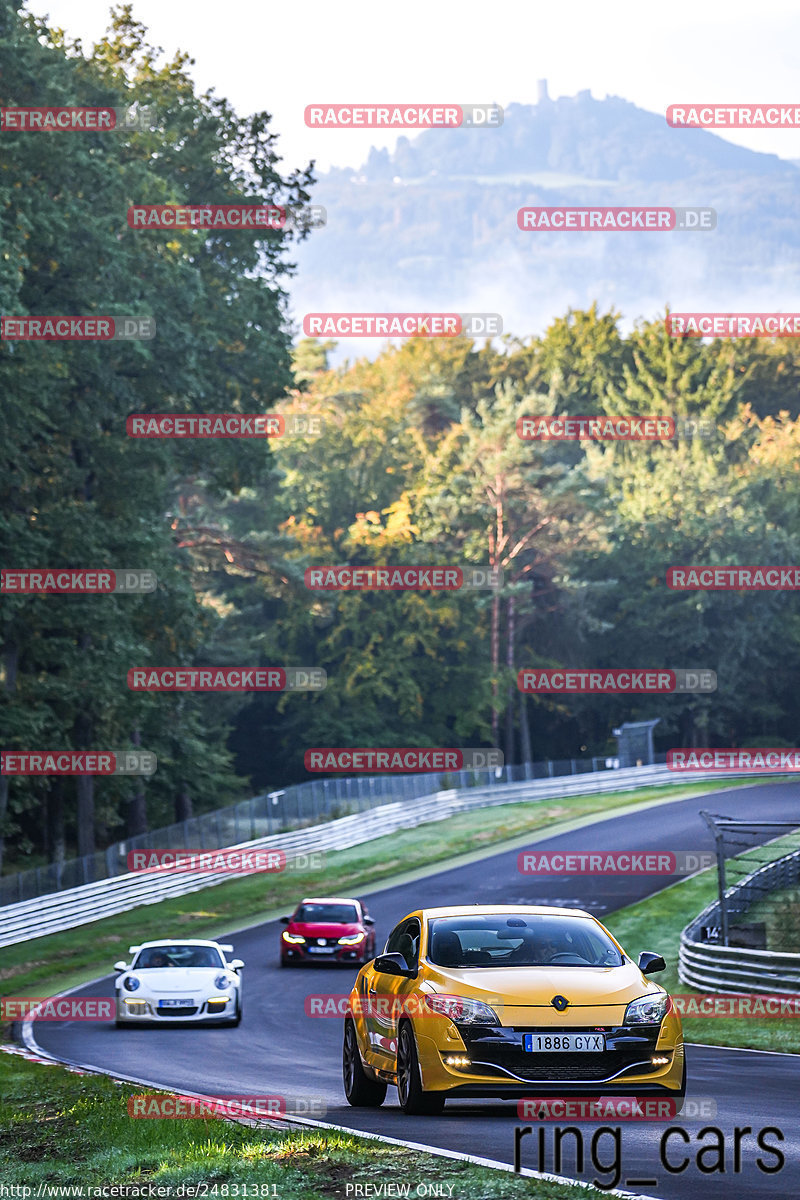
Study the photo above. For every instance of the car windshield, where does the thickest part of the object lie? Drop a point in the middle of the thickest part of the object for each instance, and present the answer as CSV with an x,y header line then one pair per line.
x,y
512,940
333,914
155,957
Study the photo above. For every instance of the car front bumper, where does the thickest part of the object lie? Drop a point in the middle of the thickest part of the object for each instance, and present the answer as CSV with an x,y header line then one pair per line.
x,y
341,954
640,1061
146,1009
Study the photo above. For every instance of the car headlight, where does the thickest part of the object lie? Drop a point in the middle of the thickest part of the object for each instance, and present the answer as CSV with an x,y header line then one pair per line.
x,y
463,1011
294,938
222,982
352,939
647,1010
130,983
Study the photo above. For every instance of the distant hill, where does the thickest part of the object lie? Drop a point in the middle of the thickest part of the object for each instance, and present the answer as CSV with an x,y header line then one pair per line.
x,y
433,225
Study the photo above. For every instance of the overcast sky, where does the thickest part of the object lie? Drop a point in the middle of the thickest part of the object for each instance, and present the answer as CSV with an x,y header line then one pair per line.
x,y
283,56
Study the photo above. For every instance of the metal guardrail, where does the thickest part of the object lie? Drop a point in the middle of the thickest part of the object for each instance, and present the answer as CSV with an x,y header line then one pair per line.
x,y
726,969
90,902
278,811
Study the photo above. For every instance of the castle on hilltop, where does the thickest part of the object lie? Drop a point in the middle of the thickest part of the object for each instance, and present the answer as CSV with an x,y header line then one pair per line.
x,y
543,96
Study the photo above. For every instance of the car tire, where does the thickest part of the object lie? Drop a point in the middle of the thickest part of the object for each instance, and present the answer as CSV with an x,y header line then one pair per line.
x,y
236,1019
414,1100
678,1096
681,1095
360,1090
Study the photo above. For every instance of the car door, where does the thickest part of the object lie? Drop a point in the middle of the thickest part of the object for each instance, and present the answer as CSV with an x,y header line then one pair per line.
x,y
386,993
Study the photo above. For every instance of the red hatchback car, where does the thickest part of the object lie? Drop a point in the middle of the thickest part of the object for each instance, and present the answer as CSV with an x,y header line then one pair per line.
x,y
328,929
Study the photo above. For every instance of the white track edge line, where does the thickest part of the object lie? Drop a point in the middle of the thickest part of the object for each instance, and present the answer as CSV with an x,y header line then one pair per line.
x,y
439,1151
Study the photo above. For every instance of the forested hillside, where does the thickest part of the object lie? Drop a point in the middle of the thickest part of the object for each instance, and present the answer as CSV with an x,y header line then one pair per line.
x,y
418,462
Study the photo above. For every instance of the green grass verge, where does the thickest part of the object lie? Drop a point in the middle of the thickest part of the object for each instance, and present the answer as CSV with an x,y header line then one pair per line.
x,y
59,1128
656,924
780,912
50,964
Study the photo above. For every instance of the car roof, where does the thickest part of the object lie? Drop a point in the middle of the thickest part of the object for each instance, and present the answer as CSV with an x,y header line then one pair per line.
x,y
329,900
180,942
490,910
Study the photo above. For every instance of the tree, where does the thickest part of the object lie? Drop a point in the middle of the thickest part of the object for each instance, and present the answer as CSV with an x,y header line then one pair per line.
x,y
490,497
75,490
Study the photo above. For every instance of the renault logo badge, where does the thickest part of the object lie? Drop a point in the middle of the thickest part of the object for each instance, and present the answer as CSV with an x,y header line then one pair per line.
x,y
559,1003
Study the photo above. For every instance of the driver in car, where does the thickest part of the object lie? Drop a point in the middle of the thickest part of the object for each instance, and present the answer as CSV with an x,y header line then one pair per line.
x,y
546,948
534,950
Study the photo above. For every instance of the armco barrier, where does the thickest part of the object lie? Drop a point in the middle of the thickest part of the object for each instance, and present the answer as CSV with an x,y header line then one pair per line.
x,y
714,968
82,905
296,806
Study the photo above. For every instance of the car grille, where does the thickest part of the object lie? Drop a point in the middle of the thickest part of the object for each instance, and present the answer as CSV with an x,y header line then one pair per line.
x,y
490,1054
580,1067
184,1011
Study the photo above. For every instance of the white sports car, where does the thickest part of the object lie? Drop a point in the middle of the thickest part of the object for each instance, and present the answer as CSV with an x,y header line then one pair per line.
x,y
179,981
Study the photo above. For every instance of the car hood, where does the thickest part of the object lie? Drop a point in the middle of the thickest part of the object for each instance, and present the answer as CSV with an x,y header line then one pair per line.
x,y
323,928
512,989
178,980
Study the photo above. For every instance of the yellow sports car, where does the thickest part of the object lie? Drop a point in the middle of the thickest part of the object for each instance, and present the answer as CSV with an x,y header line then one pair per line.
x,y
509,1001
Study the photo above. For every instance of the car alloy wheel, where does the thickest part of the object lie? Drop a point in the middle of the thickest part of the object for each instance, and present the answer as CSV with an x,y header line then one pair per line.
x,y
414,1100
360,1090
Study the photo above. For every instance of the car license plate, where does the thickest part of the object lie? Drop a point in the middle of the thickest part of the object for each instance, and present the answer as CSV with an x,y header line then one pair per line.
x,y
572,1043
321,949
184,1002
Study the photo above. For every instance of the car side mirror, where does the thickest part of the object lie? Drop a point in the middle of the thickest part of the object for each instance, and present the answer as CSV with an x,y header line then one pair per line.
x,y
650,963
369,921
236,964
285,920
120,966
394,964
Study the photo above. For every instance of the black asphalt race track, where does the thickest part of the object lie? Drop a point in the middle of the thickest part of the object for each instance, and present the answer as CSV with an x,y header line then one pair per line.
x,y
278,1050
